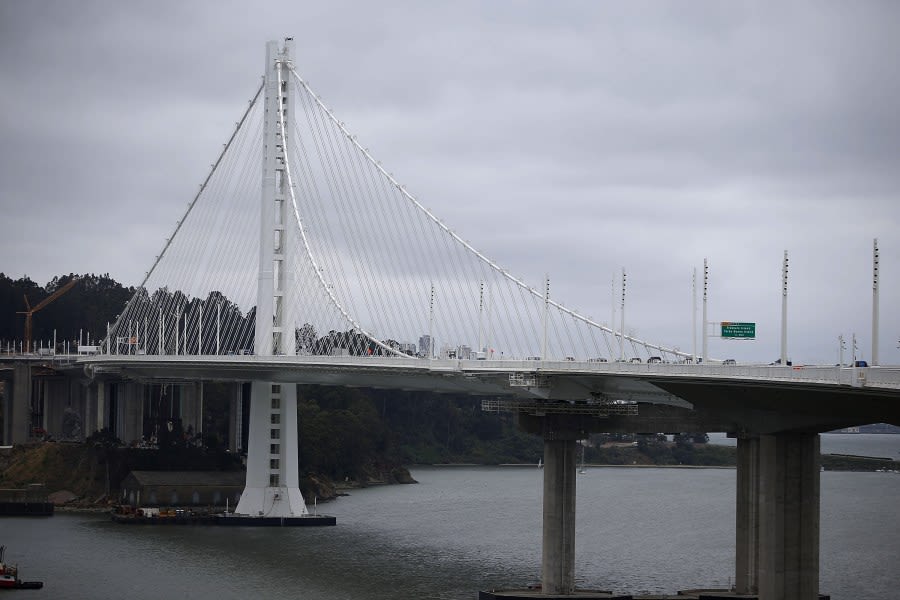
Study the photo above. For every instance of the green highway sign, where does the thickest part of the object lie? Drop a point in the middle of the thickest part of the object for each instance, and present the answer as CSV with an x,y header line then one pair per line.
x,y
738,331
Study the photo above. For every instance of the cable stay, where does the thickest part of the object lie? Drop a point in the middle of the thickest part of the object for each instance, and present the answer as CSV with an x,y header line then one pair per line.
x,y
374,270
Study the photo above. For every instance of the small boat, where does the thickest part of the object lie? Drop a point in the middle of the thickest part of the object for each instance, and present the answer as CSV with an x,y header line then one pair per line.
x,y
9,577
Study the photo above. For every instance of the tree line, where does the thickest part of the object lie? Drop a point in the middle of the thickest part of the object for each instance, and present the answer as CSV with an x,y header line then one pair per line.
x,y
85,309
97,301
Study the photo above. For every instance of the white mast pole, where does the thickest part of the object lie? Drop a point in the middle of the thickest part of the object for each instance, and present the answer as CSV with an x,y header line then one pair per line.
x,y
480,316
431,325
874,360
622,320
784,294
705,320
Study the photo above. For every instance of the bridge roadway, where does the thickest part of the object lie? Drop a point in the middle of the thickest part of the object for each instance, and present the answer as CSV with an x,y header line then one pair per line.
x,y
775,412
733,398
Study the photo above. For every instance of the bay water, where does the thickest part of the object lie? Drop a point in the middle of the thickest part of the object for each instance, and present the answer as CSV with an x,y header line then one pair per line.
x,y
460,530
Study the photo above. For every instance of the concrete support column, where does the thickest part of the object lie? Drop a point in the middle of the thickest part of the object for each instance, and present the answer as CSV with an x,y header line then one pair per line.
x,y
56,399
6,386
118,399
747,516
189,406
273,477
40,402
236,418
131,409
558,559
74,417
90,409
788,567
100,413
19,424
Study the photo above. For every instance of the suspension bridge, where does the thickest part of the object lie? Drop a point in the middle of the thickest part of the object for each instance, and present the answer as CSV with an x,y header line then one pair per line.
x,y
329,271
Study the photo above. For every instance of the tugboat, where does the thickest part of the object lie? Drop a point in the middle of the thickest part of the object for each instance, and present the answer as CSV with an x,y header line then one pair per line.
x,y
9,577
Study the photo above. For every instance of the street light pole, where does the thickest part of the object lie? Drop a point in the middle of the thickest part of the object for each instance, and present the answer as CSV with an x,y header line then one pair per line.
x,y
705,320
622,320
784,293
875,302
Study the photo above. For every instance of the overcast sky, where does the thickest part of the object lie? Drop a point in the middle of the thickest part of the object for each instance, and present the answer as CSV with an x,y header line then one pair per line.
x,y
569,138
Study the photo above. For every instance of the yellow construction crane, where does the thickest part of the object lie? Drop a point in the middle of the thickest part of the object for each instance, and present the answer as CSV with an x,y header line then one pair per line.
x,y
31,310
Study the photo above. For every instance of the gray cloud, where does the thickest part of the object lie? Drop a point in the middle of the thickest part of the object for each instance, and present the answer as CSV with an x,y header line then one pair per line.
x,y
570,139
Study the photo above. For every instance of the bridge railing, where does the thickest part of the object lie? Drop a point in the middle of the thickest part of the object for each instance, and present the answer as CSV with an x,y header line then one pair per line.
x,y
872,376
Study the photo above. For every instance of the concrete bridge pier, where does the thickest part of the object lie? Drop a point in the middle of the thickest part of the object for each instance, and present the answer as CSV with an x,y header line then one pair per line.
x,y
777,516
746,547
17,406
272,490
5,393
558,546
236,416
99,412
93,411
129,410
560,433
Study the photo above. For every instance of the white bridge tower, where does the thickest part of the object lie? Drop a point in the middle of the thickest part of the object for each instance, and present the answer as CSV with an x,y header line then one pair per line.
x,y
272,488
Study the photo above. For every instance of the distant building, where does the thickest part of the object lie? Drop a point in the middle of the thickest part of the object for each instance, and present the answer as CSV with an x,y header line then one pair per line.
x,y
426,347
